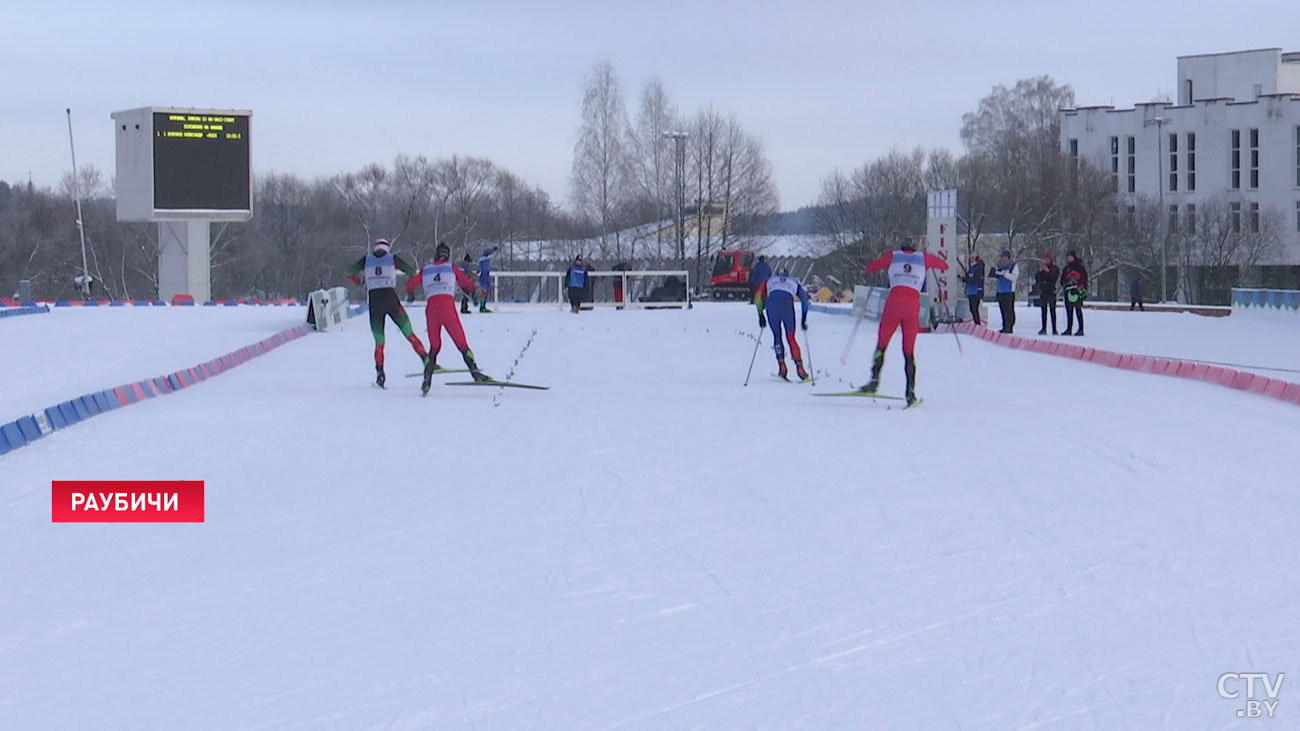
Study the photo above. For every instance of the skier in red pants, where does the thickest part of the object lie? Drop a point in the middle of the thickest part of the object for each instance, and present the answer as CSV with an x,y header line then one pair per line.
x,y
907,268
441,279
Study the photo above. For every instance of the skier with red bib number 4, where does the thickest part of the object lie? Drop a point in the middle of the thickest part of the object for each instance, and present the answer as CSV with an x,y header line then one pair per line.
x,y
440,280
907,268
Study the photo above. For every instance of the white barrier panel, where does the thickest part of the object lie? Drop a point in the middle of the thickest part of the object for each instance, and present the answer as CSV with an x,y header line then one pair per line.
x,y
869,302
327,308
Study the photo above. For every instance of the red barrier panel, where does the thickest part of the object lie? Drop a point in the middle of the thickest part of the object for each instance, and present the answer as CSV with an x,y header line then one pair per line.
x,y
1221,376
1241,381
1291,393
182,299
1275,388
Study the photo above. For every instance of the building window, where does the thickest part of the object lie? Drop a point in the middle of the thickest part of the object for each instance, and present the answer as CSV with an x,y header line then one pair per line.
x,y
1191,161
1297,216
1132,164
1297,156
1254,218
1114,161
1254,158
1173,219
1236,218
1236,159
1191,219
1190,98
1173,162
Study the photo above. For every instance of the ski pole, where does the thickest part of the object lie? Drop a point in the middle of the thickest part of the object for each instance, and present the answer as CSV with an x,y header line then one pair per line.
x,y
844,357
754,357
807,345
947,313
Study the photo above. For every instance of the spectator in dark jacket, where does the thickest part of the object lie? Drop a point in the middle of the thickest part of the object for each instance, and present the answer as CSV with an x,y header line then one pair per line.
x,y
974,279
1074,282
1135,295
761,272
1045,286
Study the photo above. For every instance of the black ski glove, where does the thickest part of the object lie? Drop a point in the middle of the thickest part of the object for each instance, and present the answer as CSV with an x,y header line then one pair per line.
x,y
762,321
804,324
410,297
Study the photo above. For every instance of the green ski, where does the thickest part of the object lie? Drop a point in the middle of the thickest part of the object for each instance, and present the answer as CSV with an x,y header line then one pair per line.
x,y
437,371
862,394
504,384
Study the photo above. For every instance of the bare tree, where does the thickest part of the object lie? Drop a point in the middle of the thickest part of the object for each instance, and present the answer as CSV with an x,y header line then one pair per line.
x,y
651,159
600,169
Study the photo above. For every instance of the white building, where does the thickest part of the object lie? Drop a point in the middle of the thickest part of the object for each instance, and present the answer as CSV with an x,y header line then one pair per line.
x,y
1234,133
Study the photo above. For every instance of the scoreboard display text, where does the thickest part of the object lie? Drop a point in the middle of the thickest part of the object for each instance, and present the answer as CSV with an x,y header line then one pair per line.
x,y
201,161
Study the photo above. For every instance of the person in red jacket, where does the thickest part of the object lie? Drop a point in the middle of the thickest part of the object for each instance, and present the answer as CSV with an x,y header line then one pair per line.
x,y
907,268
441,280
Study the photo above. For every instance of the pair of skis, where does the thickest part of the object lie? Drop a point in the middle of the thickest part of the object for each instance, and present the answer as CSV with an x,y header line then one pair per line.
x,y
865,394
486,382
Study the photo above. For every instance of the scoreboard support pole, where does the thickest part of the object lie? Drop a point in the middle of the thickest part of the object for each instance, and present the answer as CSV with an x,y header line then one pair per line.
x,y
184,260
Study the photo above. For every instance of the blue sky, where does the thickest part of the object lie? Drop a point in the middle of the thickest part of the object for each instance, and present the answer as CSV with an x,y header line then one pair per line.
x,y
336,85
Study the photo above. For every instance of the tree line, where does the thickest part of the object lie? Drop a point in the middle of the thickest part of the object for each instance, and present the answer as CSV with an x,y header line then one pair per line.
x,y
1018,191
624,187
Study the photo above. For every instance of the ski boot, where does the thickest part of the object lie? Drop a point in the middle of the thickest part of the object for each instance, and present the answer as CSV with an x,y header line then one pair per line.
x,y
470,363
877,363
781,370
379,376
799,369
483,307
430,365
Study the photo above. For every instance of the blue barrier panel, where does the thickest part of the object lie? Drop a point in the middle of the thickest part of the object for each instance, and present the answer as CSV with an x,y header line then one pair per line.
x,y
117,303
1292,300
92,408
55,417
24,310
70,412
30,429
10,434
105,401
232,304
83,411
209,303
175,383
91,303
141,303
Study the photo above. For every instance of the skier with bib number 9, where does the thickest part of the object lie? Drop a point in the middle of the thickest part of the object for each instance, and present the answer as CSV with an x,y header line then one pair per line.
x,y
778,293
441,280
907,268
379,269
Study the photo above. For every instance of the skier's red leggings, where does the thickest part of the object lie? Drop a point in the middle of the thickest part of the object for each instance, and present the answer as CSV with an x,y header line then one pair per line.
x,y
902,309
440,312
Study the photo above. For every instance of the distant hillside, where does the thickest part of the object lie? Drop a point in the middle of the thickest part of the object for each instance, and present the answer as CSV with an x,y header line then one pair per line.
x,y
787,223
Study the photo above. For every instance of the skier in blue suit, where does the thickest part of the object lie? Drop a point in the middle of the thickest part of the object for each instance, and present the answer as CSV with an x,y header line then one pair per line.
x,y
485,276
778,293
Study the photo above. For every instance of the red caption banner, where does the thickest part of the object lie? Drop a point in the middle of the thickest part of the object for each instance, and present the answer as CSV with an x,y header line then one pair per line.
x,y
109,501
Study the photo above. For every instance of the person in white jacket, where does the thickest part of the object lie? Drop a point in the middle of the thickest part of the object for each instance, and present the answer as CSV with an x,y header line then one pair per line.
x,y
1006,274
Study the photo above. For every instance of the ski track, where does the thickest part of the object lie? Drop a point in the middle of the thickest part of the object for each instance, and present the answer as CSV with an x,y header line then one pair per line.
x,y
1044,544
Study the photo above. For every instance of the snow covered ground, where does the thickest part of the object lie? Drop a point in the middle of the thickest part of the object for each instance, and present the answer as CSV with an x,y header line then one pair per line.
x,y
1043,544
